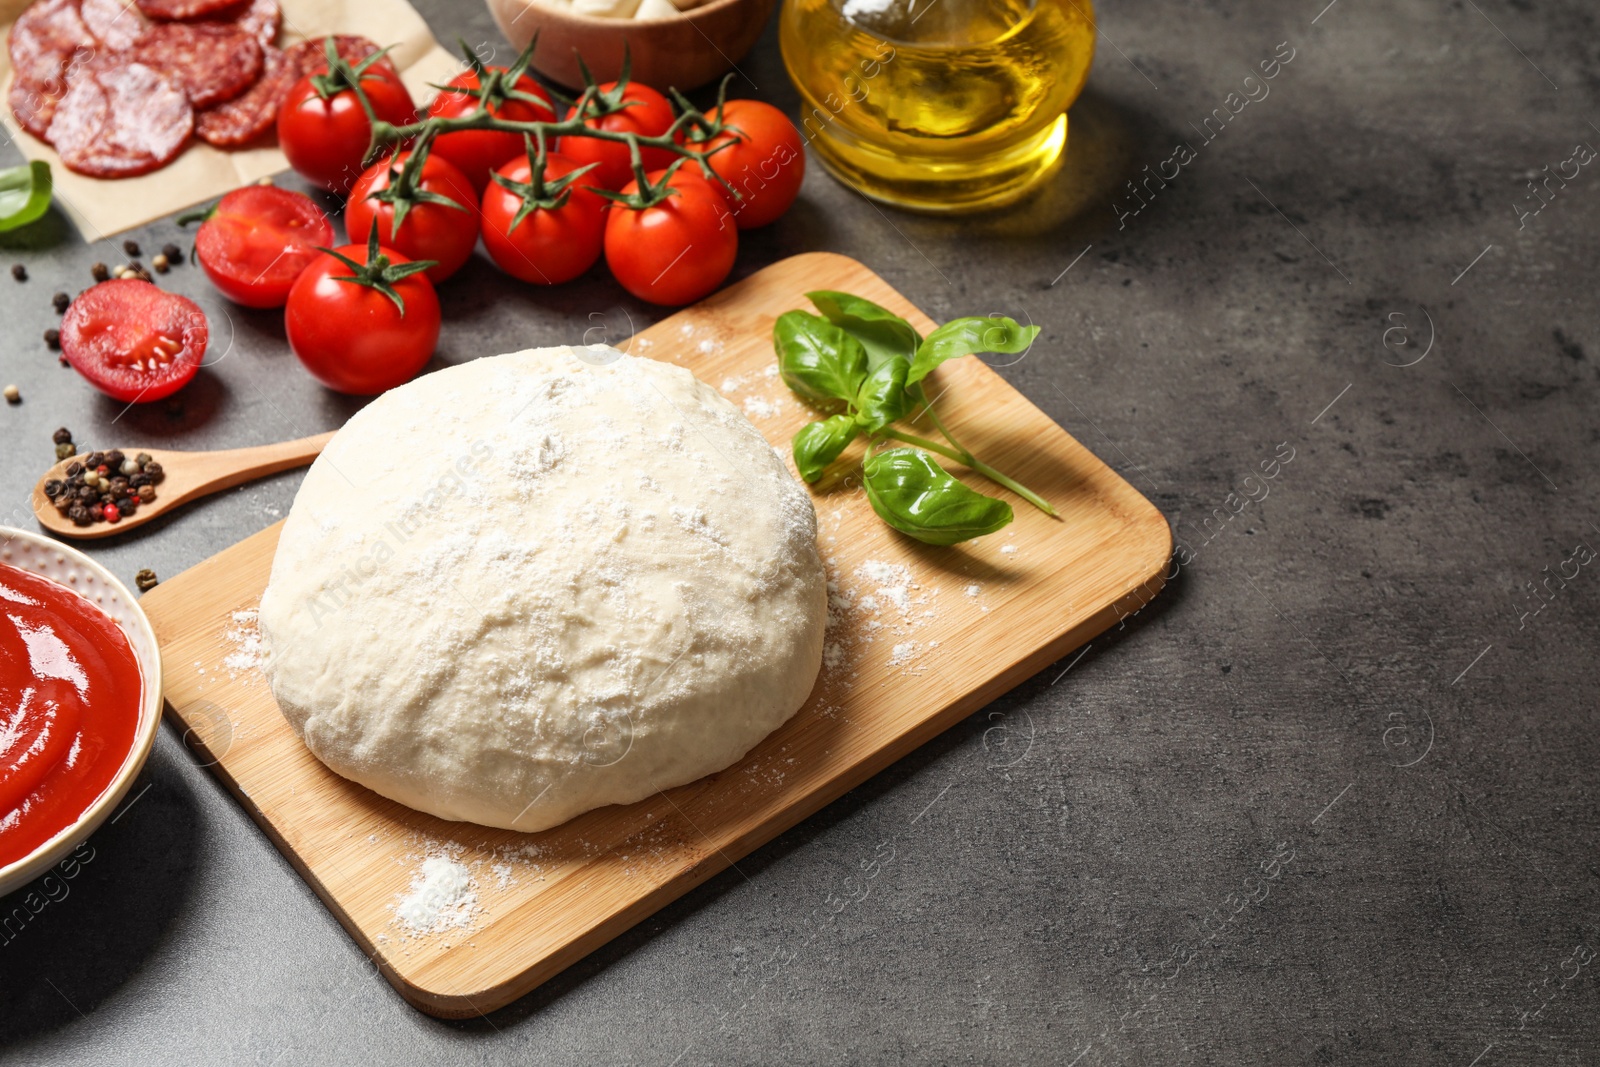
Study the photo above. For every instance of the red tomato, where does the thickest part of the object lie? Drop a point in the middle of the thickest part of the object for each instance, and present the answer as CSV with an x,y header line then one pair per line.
x,y
352,337
133,341
477,152
257,240
765,160
429,230
676,251
648,114
552,244
326,140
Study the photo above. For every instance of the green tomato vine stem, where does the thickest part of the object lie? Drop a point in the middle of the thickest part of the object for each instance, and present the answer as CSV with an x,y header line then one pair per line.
x,y
386,133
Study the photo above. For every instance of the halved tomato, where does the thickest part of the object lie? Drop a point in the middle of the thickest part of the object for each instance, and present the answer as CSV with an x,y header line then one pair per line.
x,y
134,341
257,240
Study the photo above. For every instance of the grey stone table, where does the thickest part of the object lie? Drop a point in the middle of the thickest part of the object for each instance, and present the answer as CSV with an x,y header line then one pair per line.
x,y
1329,799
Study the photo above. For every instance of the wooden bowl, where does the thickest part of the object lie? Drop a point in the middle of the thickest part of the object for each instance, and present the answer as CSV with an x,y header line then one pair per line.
x,y
685,52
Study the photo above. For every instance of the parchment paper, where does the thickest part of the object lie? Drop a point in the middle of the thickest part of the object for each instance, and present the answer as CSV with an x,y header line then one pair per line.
x,y
100,207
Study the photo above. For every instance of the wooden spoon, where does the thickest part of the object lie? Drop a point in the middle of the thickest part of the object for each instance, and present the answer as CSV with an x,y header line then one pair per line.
x,y
187,475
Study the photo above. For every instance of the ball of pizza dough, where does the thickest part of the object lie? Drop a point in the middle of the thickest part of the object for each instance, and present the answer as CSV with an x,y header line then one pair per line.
x,y
539,583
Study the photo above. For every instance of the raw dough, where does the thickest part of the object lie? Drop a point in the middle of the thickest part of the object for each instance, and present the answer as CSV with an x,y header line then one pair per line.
x,y
536,584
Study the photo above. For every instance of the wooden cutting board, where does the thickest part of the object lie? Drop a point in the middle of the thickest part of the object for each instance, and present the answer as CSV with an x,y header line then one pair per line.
x,y
921,638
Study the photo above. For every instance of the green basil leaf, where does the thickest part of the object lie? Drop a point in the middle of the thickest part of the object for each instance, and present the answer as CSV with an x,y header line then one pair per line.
x,y
916,496
820,443
882,398
24,194
817,359
881,332
962,337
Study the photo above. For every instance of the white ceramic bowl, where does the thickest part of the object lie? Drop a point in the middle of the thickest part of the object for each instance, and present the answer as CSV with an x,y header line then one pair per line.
x,y
67,566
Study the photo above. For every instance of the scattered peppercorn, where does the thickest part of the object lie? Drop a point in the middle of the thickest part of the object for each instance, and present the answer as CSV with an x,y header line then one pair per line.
x,y
100,272
159,262
13,395
61,301
153,469
146,492
53,488
74,468
65,450
114,458
61,436
79,515
19,272
146,580
52,339
131,247
173,253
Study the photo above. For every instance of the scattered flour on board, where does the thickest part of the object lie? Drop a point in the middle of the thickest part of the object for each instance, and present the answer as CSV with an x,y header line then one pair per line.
x,y
879,599
248,654
441,898
974,589
760,407
1009,550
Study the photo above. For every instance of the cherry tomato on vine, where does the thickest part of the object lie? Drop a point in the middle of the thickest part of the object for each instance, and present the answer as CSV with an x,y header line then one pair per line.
x,y
760,154
510,94
561,231
674,250
256,240
621,107
363,319
430,229
323,129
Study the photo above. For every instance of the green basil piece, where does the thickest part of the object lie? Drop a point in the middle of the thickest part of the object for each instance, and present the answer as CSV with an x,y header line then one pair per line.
x,y
820,443
881,332
24,194
917,497
962,337
817,359
882,398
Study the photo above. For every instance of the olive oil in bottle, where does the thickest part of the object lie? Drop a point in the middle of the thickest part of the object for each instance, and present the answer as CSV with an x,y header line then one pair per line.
x,y
938,105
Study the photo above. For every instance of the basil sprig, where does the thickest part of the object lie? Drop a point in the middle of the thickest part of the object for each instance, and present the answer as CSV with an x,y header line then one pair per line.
x,y
24,194
867,364
915,495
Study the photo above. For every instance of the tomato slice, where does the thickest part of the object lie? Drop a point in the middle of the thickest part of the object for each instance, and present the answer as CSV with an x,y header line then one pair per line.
x,y
134,341
258,240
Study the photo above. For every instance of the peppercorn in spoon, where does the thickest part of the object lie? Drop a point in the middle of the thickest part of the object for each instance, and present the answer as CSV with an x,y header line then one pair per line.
x,y
104,493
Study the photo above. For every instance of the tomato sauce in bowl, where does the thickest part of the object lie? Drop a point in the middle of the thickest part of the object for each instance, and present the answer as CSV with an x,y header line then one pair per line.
x,y
71,691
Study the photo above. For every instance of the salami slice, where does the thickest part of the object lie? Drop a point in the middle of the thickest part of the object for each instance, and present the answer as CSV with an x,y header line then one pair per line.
x,y
213,63
244,118
259,18
47,37
33,107
119,120
183,9
115,24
